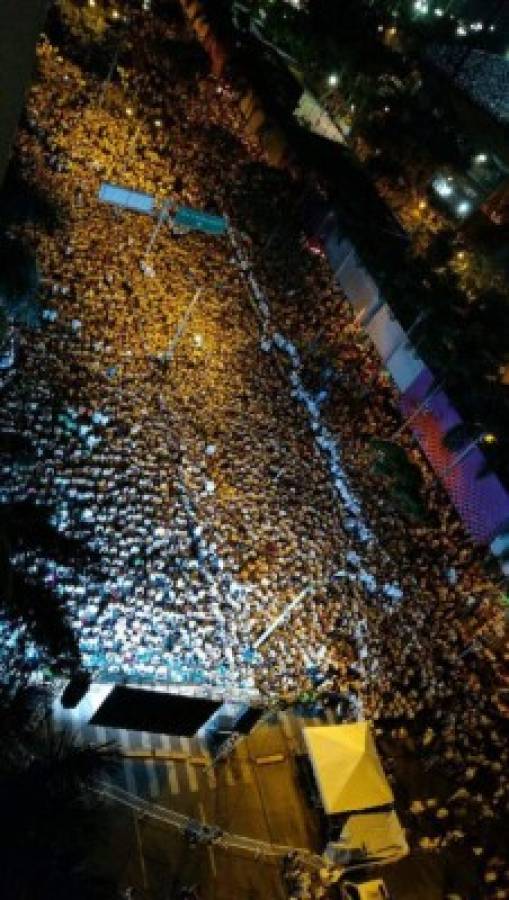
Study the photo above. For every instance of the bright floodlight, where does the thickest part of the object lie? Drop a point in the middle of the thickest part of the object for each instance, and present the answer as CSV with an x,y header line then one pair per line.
x,y
333,80
463,208
481,158
443,187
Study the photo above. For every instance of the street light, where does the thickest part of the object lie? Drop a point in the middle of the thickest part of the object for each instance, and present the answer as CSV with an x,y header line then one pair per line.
x,y
483,438
332,81
463,208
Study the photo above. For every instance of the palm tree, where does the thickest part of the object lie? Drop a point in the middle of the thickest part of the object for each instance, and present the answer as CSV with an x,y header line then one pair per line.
x,y
52,818
26,528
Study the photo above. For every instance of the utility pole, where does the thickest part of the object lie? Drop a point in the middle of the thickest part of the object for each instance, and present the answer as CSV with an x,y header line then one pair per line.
x,y
165,208
420,408
461,456
179,331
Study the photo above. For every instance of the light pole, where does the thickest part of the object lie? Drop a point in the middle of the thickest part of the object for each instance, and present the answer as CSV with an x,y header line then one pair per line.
x,y
179,331
164,212
484,437
332,82
435,388
111,71
132,144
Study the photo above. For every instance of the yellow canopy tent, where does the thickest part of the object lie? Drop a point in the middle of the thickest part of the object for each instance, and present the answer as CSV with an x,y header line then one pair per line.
x,y
347,768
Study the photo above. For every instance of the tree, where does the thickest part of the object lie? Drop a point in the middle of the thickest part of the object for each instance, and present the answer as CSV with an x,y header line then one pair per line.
x,y
18,282
52,819
27,528
403,477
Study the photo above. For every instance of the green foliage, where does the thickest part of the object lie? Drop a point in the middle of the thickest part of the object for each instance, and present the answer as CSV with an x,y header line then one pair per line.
x,y
84,20
403,476
18,282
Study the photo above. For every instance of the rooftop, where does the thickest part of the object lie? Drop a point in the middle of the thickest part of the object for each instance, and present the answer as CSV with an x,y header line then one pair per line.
x,y
483,76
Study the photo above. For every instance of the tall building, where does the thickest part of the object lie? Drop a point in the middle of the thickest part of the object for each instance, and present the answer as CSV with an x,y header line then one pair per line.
x,y
20,25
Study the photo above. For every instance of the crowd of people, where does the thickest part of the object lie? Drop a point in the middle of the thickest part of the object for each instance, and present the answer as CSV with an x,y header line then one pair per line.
x,y
231,481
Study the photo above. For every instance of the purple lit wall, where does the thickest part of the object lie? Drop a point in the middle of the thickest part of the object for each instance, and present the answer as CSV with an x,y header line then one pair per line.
x,y
482,503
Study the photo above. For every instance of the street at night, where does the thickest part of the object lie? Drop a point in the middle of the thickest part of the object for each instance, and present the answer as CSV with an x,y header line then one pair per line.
x,y
204,411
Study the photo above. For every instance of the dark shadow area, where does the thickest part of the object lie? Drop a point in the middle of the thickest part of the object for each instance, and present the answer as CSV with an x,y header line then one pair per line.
x,y
22,201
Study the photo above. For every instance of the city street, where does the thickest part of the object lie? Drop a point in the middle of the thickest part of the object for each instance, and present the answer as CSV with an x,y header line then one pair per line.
x,y
203,409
